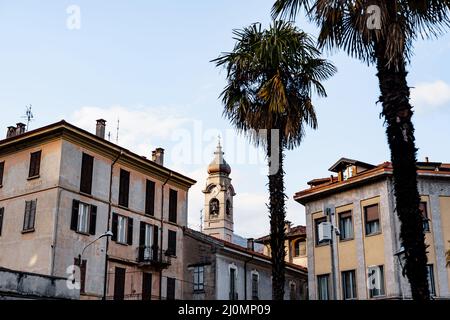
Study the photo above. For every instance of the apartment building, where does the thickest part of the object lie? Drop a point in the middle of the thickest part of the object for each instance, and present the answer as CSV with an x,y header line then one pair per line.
x,y
353,231
65,191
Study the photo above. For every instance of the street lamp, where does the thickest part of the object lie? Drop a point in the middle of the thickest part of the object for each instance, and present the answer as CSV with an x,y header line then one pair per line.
x,y
106,234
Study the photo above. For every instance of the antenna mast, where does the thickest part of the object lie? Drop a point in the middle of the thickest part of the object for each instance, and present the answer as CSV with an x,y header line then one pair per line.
x,y
201,220
117,133
28,115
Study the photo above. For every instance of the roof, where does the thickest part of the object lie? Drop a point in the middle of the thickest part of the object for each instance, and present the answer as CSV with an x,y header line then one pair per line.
x,y
237,248
383,170
297,231
345,161
63,128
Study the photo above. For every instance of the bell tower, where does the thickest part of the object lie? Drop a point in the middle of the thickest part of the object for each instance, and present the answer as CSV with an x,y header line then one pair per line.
x,y
219,193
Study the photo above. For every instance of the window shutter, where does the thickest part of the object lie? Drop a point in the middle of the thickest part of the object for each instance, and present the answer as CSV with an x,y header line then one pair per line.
x,y
74,220
142,234
155,241
2,169
130,231
170,295
87,169
35,164
372,213
346,214
93,220
26,218
115,219
32,214
150,198
173,206
2,212
172,242
124,188
146,286
422,207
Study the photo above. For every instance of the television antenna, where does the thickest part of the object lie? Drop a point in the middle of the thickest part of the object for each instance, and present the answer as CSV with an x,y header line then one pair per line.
x,y
28,115
201,220
117,133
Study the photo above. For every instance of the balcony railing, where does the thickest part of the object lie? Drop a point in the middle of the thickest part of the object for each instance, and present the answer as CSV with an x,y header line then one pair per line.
x,y
152,256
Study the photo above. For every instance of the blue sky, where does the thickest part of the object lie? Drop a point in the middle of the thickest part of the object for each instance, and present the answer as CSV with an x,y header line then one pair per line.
x,y
147,63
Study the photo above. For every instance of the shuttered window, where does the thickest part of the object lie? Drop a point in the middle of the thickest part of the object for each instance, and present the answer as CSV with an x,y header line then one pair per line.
x,y
119,283
426,220
87,170
346,225
122,228
82,267
170,289
172,243
173,201
150,198
124,188
84,218
35,164
30,215
2,213
372,219
146,286
2,170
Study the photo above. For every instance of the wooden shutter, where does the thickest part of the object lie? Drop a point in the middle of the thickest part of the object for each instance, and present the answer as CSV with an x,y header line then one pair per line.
x,y
124,188
141,240
372,213
2,169
32,214
74,220
146,286
155,241
35,164
170,289
150,198
173,206
87,169
93,220
114,228
2,212
26,217
119,283
130,231
172,242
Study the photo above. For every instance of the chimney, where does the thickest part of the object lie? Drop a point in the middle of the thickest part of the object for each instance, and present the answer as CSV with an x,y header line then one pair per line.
x,y
100,128
427,159
287,226
11,132
158,156
251,244
20,129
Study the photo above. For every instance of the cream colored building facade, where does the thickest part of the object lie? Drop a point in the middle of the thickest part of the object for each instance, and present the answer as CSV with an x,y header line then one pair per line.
x,y
62,188
364,260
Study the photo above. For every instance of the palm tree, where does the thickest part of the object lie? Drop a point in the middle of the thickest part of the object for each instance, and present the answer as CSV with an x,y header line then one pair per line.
x,y
271,75
382,33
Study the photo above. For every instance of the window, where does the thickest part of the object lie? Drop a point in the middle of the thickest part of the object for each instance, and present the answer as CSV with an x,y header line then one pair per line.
x,y
347,173
150,198
346,225
82,267
316,224
146,286
147,235
2,170
431,284
29,216
214,207
172,243
228,208
323,287
35,164
292,291
2,212
124,188
122,228
233,293
119,283
372,219
255,286
376,281
170,289
173,199
349,285
300,248
87,170
426,221
199,279
84,218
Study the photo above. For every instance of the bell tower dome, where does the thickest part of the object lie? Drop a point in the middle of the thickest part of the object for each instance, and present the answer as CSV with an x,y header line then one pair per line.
x,y
219,193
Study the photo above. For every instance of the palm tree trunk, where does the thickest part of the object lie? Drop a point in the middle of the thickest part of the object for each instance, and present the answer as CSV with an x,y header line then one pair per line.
x,y
397,112
277,218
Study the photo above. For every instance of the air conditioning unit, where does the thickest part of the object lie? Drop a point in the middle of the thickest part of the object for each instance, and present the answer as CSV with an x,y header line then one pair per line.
x,y
324,230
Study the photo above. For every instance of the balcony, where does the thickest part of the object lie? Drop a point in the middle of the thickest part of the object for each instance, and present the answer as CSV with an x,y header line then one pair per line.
x,y
151,256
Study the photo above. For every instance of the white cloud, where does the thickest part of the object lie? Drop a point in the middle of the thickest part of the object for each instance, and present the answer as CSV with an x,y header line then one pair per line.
x,y
430,96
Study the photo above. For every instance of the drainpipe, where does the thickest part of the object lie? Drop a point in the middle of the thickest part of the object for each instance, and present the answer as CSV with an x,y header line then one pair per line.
x,y
107,226
55,234
245,276
161,233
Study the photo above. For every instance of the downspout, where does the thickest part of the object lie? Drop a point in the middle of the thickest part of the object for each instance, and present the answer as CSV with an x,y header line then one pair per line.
x,y
105,280
55,234
245,276
161,233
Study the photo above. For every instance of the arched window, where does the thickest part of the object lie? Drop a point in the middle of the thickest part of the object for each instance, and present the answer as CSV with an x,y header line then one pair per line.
x,y
214,207
228,207
300,248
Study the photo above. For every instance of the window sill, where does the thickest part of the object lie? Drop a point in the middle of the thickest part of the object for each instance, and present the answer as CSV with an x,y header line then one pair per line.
x,y
123,207
28,231
89,195
83,233
122,243
198,291
322,244
34,177
346,240
374,234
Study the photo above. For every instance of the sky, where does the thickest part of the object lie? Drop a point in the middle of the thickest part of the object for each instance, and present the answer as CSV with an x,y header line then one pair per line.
x,y
147,64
